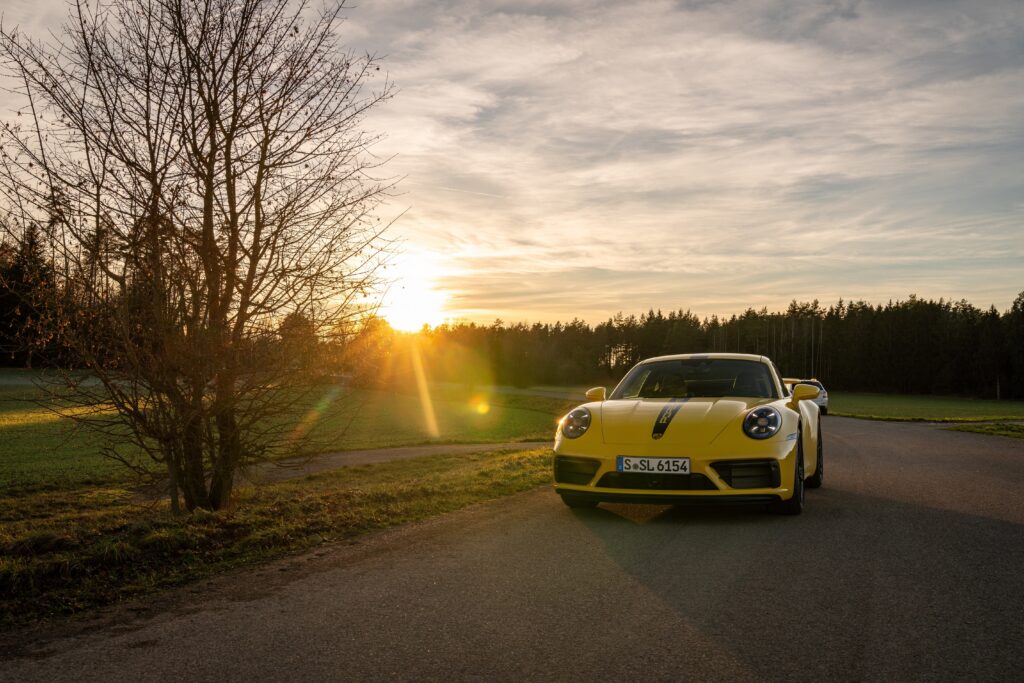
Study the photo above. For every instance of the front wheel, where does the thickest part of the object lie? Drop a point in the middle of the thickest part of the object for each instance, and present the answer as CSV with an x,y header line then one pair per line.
x,y
818,478
577,502
795,504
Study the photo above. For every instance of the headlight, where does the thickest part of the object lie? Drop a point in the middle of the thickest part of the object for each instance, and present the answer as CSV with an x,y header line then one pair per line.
x,y
762,423
576,423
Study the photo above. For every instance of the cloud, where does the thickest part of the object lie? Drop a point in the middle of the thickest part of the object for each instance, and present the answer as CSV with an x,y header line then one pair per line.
x,y
714,154
35,17
576,158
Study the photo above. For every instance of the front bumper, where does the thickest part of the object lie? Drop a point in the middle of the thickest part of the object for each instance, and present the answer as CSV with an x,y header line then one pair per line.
x,y
739,479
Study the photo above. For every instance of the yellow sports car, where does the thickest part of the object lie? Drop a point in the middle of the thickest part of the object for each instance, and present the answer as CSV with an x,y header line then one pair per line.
x,y
693,428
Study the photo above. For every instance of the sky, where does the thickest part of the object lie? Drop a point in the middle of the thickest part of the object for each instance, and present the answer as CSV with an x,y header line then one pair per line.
x,y
570,159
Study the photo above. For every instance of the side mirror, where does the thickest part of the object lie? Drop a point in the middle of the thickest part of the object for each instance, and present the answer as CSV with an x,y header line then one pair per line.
x,y
596,394
804,392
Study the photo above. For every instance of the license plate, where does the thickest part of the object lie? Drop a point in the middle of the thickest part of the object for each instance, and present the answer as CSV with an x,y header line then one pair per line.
x,y
626,463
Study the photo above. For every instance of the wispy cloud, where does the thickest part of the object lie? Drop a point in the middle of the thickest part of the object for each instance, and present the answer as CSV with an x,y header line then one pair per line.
x,y
710,155
576,158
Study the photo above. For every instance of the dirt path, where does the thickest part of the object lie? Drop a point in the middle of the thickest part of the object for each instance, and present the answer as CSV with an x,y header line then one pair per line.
x,y
300,467
294,468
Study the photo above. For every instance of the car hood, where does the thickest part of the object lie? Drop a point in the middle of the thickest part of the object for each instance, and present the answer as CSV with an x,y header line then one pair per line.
x,y
694,420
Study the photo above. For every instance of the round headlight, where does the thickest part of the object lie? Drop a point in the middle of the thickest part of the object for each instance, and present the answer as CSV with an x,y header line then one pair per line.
x,y
762,423
576,423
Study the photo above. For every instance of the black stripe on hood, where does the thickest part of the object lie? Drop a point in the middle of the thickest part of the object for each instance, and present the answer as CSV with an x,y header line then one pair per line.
x,y
666,415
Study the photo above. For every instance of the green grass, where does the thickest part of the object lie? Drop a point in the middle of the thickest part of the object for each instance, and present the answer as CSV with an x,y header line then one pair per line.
x,y
462,414
1012,430
924,408
39,448
62,552
42,452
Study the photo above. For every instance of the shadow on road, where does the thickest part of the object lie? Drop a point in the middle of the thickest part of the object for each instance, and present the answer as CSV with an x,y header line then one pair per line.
x,y
858,586
676,514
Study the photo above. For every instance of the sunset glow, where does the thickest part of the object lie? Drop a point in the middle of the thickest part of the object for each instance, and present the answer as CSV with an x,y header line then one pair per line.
x,y
413,299
708,156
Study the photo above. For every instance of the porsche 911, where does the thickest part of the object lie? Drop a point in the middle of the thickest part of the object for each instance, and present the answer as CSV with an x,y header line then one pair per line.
x,y
712,427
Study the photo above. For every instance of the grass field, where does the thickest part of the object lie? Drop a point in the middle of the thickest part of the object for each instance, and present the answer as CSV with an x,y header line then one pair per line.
x,y
926,408
41,451
1012,430
38,448
64,551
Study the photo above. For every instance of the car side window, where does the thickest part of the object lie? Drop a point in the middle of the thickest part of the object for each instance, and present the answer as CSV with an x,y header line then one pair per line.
x,y
635,383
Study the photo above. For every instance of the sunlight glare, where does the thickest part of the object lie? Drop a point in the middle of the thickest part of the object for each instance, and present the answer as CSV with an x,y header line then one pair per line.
x,y
423,389
479,405
413,299
313,415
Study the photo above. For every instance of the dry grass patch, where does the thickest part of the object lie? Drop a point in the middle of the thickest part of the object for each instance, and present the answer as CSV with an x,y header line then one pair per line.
x,y
66,551
1010,429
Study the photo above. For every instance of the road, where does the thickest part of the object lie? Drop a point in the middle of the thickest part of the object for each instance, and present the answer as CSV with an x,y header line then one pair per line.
x,y
909,564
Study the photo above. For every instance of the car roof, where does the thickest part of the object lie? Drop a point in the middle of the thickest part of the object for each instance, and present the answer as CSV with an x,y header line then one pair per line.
x,y
701,356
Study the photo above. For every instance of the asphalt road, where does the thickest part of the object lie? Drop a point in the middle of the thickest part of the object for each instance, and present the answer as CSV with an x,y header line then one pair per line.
x,y
909,564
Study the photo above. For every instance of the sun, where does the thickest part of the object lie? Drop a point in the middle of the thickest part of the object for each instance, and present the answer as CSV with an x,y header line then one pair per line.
x,y
413,299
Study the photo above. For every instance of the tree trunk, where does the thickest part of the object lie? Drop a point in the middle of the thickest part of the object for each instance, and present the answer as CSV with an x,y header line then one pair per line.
x,y
172,482
194,483
229,458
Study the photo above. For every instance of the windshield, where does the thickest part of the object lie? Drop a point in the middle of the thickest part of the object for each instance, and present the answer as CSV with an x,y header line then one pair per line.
x,y
697,377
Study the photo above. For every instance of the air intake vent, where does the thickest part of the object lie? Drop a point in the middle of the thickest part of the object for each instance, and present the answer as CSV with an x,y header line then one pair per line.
x,y
749,474
569,470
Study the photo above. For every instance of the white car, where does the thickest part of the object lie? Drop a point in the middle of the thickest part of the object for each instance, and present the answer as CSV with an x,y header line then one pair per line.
x,y
821,401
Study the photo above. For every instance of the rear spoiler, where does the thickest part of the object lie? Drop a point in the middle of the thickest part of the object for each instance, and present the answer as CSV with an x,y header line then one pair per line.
x,y
790,380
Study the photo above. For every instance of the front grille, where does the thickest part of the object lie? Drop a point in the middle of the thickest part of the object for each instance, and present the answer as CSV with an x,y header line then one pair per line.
x,y
570,470
658,482
749,474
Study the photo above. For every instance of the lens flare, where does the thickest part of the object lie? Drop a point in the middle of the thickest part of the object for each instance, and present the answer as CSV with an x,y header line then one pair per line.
x,y
314,414
479,405
429,418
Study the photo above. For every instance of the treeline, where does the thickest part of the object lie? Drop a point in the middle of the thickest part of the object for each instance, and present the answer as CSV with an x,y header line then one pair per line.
x,y
24,271
909,346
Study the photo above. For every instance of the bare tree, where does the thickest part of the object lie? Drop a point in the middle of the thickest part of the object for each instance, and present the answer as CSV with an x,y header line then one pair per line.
x,y
200,173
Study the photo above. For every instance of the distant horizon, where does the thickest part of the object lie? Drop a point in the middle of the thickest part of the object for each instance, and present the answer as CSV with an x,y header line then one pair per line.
x,y
665,311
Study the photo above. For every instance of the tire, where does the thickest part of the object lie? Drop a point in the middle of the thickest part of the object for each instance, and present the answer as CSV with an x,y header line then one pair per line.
x,y
577,502
795,504
818,478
